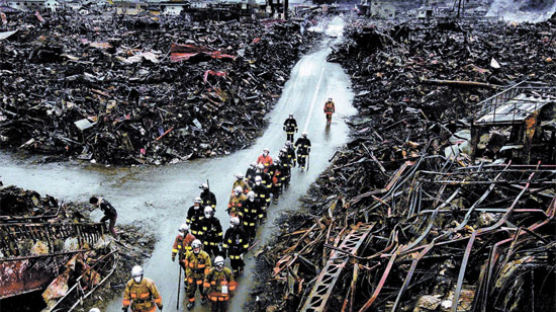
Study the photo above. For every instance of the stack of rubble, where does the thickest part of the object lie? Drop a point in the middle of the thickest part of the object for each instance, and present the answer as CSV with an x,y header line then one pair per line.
x,y
395,224
54,247
134,89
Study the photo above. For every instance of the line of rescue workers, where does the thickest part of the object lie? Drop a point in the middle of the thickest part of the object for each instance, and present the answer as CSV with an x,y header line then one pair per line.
x,y
201,245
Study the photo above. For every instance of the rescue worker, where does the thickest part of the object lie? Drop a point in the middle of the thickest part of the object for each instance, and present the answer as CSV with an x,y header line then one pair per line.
x,y
251,173
291,153
265,159
207,196
219,284
276,180
236,243
141,293
303,146
236,201
329,109
211,232
285,169
110,212
240,181
284,159
194,216
263,194
267,178
250,213
197,265
290,126
182,244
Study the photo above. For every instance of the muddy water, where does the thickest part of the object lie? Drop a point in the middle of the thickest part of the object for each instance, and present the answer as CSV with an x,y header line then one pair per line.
x,y
157,197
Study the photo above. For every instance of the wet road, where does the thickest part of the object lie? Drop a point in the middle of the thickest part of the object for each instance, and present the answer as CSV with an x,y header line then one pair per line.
x,y
157,197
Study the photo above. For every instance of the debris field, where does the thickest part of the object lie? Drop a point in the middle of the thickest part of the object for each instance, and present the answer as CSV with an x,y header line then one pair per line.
x,y
117,89
432,206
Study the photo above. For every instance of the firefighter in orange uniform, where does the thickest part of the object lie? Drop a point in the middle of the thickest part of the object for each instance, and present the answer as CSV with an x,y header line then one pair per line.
x,y
329,109
265,159
219,284
197,263
141,293
182,244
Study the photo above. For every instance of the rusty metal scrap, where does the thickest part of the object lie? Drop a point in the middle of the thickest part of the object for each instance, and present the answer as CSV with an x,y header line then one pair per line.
x,y
322,289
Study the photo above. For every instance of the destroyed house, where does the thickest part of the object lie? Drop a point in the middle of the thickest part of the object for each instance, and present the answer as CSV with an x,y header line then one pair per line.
x,y
516,121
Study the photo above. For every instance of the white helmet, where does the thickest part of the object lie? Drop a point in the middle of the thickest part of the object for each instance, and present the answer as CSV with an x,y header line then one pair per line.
x,y
196,244
251,195
238,190
197,200
204,186
266,149
288,143
219,263
258,179
183,228
291,115
253,165
208,212
94,310
260,166
137,273
304,134
239,176
234,221
284,150
330,99
276,160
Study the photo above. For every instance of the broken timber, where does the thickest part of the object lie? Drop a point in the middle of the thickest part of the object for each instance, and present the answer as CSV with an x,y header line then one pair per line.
x,y
334,266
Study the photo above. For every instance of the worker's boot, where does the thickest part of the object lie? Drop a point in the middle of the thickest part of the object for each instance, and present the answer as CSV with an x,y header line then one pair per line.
x,y
203,300
190,305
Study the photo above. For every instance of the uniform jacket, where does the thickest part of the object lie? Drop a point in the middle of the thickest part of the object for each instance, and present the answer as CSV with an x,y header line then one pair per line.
x,y
141,296
219,284
196,265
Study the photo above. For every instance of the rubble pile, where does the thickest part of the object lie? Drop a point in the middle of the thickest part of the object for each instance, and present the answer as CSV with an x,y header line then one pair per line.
x,y
54,247
396,223
120,89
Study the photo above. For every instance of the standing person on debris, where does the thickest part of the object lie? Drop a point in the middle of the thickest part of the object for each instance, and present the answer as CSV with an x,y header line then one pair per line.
x,y
207,196
265,159
263,194
219,284
329,109
194,216
290,126
303,146
109,212
182,244
197,264
285,169
141,293
236,243
251,212
291,153
211,232
276,180
236,201
240,181
251,173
